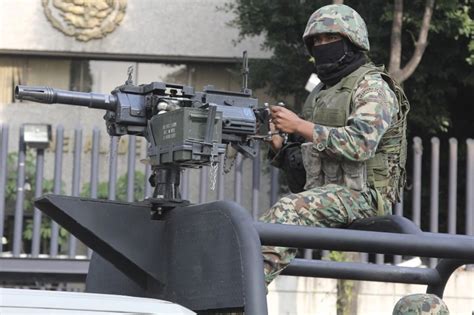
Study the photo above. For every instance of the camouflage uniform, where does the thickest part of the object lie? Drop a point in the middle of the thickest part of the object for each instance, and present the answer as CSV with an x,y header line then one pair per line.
x,y
346,142
420,304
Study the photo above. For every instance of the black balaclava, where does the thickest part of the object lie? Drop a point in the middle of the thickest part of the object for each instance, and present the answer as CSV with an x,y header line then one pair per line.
x,y
336,60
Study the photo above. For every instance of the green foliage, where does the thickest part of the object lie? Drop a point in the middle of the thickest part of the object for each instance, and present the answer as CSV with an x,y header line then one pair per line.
x,y
335,255
441,87
30,181
29,195
121,188
45,233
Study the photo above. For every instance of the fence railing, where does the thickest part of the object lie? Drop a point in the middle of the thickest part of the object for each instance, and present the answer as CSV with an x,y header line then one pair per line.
x,y
252,183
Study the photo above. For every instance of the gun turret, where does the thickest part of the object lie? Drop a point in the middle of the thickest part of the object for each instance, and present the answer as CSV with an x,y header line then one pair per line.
x,y
183,128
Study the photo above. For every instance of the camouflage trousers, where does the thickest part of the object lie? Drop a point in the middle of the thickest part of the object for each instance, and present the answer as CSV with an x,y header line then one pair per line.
x,y
326,206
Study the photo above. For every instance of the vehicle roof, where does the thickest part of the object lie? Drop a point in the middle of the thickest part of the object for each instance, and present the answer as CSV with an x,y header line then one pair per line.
x,y
15,301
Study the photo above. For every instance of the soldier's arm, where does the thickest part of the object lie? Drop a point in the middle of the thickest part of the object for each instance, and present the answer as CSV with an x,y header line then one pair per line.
x,y
375,105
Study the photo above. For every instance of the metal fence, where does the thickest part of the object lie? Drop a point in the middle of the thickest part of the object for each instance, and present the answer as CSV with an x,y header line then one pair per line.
x,y
264,187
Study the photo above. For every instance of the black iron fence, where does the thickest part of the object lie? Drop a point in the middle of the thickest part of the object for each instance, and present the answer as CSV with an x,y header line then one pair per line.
x,y
26,231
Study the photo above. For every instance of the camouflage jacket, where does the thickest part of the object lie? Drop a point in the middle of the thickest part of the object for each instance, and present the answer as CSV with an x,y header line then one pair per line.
x,y
374,107
360,126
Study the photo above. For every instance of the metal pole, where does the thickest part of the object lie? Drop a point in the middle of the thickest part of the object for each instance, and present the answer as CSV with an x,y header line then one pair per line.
x,y
148,189
95,162
361,271
76,174
399,205
58,164
131,168
3,176
274,185
76,181
185,184
470,187
220,184
256,182
94,169
185,178
399,211
203,184
422,244
238,178
364,257
417,154
379,259
445,269
453,185
35,243
20,195
434,191
113,167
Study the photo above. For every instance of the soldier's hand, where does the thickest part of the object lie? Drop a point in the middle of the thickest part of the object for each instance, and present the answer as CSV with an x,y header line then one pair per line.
x,y
276,141
284,119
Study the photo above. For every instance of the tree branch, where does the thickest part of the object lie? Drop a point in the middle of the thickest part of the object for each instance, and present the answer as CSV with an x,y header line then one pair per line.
x,y
420,44
396,38
337,1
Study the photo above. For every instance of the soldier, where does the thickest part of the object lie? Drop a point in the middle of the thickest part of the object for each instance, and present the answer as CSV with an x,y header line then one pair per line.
x,y
354,128
420,304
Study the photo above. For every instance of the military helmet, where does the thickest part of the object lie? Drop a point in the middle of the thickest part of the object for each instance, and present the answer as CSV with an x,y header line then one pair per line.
x,y
340,19
420,304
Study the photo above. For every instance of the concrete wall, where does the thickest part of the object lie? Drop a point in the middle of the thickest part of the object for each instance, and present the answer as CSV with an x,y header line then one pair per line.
x,y
156,29
305,296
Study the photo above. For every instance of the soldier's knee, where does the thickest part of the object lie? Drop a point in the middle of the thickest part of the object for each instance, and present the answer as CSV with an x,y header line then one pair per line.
x,y
420,304
283,211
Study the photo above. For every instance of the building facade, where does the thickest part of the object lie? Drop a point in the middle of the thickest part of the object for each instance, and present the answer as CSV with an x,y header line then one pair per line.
x,y
89,46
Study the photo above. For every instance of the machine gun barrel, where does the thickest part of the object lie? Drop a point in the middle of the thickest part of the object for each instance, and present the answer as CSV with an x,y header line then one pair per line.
x,y
44,94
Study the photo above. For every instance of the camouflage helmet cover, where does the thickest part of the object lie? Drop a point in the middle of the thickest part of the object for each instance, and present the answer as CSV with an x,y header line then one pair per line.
x,y
340,19
420,304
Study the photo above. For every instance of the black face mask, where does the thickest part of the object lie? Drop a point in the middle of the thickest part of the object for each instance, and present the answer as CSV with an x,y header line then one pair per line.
x,y
336,60
329,53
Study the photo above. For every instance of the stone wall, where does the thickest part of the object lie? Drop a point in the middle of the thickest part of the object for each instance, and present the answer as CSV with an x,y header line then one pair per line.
x,y
150,29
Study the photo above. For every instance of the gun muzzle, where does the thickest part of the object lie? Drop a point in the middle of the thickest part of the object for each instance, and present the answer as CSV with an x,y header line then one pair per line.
x,y
44,94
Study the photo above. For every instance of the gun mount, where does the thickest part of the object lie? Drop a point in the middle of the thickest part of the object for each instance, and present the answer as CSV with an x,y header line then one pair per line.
x,y
183,128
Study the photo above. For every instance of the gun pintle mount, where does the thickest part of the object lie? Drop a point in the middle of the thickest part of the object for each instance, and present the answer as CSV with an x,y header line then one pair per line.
x,y
183,128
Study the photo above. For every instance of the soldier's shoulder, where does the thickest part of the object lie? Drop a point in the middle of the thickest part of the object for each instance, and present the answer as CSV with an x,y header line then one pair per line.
x,y
373,86
373,79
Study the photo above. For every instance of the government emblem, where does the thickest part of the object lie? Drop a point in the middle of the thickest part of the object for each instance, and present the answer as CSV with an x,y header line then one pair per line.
x,y
85,19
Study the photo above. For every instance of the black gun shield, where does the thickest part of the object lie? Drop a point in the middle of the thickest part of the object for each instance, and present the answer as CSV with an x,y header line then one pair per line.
x,y
203,257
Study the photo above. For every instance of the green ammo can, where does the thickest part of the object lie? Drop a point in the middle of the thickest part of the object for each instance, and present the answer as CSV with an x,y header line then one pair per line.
x,y
179,137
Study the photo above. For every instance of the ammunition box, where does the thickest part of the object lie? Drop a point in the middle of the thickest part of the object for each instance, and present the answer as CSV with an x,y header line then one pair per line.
x,y
179,136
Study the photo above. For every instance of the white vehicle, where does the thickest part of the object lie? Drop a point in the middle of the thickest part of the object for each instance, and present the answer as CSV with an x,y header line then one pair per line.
x,y
21,301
